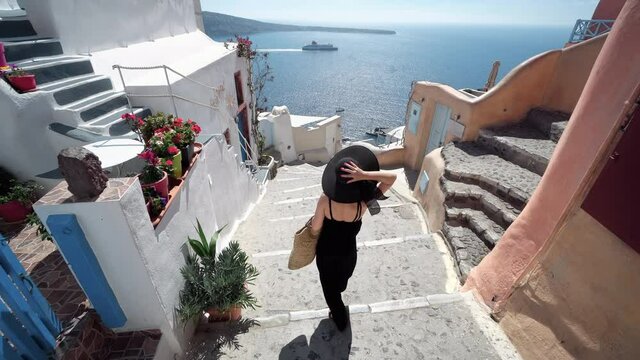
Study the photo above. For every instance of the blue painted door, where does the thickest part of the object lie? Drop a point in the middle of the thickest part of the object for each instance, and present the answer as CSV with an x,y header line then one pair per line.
x,y
28,325
438,127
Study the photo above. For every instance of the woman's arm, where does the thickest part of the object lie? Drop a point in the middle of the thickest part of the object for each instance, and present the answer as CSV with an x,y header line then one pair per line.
x,y
318,217
384,178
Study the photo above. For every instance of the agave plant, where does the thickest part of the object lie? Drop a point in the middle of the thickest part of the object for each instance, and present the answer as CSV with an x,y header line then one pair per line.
x,y
215,281
205,249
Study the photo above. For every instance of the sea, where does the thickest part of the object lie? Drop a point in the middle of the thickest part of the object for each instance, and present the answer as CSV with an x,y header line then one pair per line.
x,y
370,75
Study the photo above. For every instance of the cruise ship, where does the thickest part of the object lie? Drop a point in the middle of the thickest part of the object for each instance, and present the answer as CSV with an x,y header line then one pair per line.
x,y
315,46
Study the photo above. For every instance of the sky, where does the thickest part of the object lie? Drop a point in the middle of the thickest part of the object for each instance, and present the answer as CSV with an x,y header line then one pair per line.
x,y
397,12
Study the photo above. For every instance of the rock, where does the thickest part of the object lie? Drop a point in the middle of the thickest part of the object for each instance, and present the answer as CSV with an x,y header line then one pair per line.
x,y
83,172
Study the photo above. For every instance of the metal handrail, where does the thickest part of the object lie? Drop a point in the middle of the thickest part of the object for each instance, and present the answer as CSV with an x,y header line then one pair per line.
x,y
587,29
173,96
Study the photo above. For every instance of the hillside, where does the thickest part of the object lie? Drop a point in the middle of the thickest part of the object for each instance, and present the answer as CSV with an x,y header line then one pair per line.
x,y
216,24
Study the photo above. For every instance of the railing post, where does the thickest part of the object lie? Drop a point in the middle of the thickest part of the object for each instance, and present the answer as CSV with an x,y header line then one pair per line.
x,y
173,100
575,28
124,86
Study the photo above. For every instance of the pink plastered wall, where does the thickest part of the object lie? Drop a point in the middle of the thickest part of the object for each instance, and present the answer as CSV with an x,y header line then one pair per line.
x,y
607,97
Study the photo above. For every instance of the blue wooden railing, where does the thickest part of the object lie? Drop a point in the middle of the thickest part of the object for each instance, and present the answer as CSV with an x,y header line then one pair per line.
x,y
28,325
587,29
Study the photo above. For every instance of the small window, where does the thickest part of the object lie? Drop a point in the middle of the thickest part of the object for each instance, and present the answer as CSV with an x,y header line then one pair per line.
x,y
239,93
424,182
414,116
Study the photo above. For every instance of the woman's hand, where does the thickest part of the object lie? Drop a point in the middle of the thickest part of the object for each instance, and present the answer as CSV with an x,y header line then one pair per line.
x,y
353,172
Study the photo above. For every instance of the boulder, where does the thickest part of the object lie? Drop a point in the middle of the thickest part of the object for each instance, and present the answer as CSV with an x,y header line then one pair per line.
x,y
83,172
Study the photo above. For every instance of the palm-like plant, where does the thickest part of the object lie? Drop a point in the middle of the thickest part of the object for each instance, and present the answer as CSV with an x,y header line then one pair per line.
x,y
215,281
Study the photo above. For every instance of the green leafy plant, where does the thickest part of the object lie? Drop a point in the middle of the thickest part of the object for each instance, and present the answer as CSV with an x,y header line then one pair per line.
x,y
151,123
153,170
156,202
25,192
17,71
205,249
41,230
215,281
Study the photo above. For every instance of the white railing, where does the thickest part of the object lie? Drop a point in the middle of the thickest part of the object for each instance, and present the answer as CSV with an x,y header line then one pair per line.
x,y
250,162
587,29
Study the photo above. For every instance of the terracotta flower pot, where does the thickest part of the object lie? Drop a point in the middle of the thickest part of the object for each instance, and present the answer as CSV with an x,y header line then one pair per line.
x,y
197,148
14,211
161,186
233,314
23,83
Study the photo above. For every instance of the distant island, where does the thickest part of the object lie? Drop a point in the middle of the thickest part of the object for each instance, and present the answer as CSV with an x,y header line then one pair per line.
x,y
216,24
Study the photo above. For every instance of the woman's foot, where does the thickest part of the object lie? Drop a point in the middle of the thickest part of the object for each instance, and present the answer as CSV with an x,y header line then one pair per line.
x,y
341,321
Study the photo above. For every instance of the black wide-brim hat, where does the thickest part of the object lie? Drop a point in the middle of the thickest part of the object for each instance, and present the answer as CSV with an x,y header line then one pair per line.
x,y
336,187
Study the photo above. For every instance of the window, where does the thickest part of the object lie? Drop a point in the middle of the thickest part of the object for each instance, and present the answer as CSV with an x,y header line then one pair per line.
x,y
424,182
239,93
414,116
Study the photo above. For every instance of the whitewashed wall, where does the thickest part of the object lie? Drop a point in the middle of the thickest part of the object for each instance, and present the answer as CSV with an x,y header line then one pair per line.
x,y
295,140
86,26
142,264
9,5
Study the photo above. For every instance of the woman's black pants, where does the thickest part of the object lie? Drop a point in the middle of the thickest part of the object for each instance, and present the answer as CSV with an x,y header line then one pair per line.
x,y
335,271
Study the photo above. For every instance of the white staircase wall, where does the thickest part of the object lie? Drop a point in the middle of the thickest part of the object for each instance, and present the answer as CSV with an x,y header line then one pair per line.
x,y
89,26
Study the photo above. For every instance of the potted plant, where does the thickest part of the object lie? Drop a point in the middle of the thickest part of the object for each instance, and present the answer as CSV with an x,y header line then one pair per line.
x,y
185,138
153,175
155,202
216,284
41,230
161,143
22,80
15,205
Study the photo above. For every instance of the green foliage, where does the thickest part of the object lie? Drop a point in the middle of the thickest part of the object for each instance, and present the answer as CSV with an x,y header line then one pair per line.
x,y
205,249
34,220
25,192
156,202
215,282
154,122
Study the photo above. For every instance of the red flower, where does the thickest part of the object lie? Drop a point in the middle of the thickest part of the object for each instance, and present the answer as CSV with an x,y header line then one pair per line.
x,y
173,150
189,121
177,139
177,122
169,163
196,128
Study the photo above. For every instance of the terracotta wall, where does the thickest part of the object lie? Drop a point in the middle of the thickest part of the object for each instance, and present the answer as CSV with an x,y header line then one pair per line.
x,y
612,88
554,79
580,299
608,9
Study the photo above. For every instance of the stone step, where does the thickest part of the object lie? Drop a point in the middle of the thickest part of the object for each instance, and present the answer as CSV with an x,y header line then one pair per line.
x,y
75,134
383,272
281,227
471,163
15,27
520,144
465,246
104,107
82,90
48,70
472,196
445,331
121,128
486,229
21,50
550,122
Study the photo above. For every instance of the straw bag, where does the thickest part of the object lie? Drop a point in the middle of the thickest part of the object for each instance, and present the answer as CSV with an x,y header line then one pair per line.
x,y
304,247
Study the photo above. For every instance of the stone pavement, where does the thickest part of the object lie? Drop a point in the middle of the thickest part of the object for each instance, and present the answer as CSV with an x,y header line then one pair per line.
x,y
402,296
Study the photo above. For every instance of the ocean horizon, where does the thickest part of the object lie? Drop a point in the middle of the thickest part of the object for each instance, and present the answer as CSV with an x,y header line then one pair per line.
x,y
370,75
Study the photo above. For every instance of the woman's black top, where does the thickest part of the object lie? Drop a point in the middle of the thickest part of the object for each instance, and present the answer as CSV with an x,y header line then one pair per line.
x,y
339,237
